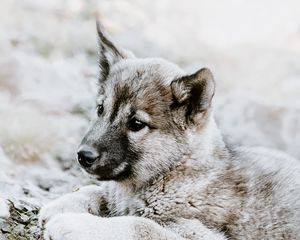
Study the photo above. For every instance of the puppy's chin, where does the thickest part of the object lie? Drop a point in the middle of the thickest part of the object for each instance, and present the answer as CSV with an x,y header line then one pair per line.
x,y
119,173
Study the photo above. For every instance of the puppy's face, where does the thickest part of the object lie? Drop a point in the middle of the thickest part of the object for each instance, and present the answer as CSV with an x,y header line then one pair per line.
x,y
143,109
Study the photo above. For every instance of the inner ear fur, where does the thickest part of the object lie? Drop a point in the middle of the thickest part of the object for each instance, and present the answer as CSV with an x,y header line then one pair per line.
x,y
194,93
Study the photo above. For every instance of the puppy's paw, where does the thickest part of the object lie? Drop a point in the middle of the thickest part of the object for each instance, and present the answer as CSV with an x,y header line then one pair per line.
x,y
84,226
61,205
68,226
81,201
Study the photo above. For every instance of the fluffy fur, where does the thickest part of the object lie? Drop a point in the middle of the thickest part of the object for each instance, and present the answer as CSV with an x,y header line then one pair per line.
x,y
173,178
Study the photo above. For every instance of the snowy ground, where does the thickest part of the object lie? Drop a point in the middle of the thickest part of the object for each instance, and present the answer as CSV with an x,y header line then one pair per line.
x,y
48,68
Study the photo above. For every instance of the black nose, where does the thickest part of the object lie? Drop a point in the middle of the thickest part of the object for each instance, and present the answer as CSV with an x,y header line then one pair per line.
x,y
87,156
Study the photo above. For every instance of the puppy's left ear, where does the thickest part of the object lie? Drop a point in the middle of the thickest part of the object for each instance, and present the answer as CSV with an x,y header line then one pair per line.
x,y
193,93
110,53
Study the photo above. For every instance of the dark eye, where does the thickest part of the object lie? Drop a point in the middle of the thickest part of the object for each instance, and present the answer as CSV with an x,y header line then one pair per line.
x,y
136,125
100,109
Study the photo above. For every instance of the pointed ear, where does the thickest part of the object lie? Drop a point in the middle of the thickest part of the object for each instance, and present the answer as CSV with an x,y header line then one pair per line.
x,y
109,52
193,93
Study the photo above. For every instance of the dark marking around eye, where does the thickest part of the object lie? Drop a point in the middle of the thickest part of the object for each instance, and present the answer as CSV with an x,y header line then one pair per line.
x,y
122,96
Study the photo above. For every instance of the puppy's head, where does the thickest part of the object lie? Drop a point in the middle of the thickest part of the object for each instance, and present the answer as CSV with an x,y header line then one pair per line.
x,y
144,108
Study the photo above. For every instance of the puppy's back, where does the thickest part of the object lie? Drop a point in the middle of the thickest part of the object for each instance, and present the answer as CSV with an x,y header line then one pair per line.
x,y
271,209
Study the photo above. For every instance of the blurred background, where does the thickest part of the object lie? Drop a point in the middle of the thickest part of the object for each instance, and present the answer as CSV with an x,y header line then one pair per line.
x,y
48,72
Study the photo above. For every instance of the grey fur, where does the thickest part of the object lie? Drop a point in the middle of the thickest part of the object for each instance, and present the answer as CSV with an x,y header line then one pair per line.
x,y
181,180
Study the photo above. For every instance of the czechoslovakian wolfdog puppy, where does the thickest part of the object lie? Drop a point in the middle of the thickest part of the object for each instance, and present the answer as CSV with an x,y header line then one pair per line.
x,y
173,177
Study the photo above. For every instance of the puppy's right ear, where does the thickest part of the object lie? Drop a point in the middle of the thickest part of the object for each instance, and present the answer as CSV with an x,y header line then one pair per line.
x,y
109,52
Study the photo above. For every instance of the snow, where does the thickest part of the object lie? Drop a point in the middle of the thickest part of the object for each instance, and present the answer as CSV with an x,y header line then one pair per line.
x,y
4,210
48,69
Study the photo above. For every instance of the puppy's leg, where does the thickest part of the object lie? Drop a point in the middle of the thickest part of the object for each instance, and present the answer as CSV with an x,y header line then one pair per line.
x,y
83,226
86,200
80,226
